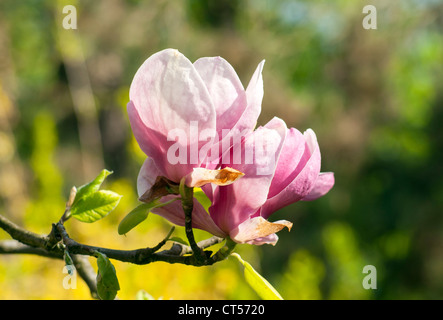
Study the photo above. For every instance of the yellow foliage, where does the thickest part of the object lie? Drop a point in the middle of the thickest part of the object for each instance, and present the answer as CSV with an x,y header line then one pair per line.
x,y
303,276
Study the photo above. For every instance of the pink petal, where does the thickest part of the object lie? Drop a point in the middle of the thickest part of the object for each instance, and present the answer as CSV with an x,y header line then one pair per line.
x,y
225,89
254,97
174,213
147,176
234,204
168,94
237,109
271,239
294,155
209,190
302,184
258,231
323,184
148,139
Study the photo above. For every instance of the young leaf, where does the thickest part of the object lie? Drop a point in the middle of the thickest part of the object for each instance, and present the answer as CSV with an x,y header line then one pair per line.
x,y
67,258
179,240
92,186
139,214
259,284
107,282
202,198
133,218
95,206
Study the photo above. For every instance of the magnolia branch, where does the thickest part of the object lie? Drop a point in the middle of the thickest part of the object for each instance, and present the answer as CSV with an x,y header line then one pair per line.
x,y
31,243
58,240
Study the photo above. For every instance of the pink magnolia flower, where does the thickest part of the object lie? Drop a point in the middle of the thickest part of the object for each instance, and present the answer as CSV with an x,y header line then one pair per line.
x,y
179,106
241,210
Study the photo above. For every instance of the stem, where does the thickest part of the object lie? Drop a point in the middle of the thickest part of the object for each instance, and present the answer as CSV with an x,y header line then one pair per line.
x,y
187,195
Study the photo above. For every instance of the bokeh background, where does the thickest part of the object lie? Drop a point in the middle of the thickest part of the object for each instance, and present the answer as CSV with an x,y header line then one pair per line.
x,y
374,98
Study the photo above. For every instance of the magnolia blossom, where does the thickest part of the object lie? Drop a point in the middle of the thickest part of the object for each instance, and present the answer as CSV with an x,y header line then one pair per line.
x,y
241,210
201,112
181,107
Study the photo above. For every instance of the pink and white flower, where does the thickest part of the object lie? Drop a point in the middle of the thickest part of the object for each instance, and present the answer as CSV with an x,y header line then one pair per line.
x,y
198,109
240,210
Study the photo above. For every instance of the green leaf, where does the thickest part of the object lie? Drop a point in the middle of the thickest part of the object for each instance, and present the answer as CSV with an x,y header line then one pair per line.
x,y
133,218
259,284
202,198
95,206
107,282
139,214
92,186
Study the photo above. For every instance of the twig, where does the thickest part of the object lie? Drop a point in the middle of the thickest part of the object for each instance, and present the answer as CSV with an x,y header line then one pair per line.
x,y
203,244
15,247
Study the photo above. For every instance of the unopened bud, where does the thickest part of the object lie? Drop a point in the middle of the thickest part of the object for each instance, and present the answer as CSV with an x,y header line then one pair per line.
x,y
71,198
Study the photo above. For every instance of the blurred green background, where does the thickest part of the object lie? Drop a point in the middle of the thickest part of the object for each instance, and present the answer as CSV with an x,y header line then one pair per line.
x,y
373,97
